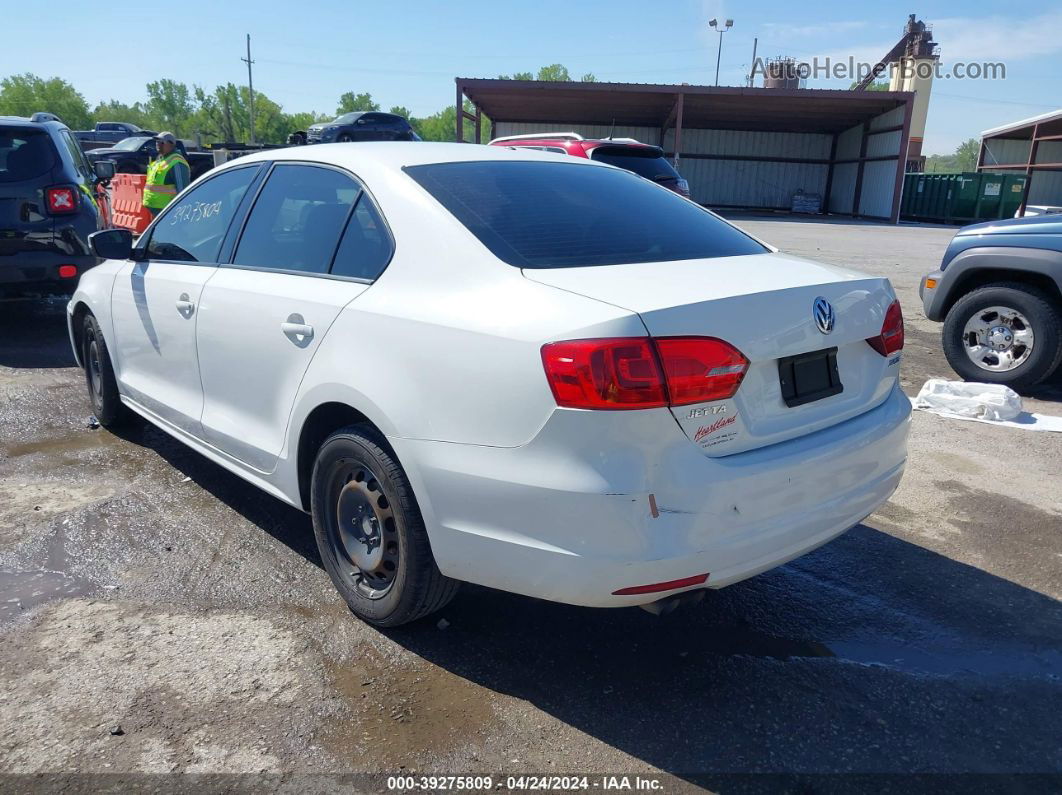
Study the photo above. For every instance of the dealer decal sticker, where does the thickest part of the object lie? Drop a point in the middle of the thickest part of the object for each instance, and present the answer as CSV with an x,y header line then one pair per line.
x,y
706,431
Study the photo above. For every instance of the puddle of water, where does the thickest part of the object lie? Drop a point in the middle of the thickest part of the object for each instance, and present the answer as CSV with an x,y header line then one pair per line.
x,y
63,444
23,590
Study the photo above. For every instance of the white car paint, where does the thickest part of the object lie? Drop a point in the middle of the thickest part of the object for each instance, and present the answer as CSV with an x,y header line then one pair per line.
x,y
443,354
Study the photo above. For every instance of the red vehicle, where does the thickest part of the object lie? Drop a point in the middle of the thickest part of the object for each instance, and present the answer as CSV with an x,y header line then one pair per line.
x,y
644,160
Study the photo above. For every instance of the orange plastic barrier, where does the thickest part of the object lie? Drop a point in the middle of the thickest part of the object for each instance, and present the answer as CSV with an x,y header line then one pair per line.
x,y
127,210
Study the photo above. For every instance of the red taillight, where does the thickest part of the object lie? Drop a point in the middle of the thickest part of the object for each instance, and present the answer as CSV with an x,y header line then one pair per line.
x,y
618,373
67,271
700,368
891,338
670,585
61,200
642,372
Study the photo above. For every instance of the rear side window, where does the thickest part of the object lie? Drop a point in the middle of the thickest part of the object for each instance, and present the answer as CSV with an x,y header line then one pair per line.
x,y
297,219
193,230
648,163
365,248
567,215
25,154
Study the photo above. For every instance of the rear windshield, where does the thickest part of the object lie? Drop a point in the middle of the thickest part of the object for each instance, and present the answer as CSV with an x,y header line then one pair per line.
x,y
648,163
561,215
25,154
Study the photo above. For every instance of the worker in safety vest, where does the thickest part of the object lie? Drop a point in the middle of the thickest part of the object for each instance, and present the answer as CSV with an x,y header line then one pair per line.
x,y
167,175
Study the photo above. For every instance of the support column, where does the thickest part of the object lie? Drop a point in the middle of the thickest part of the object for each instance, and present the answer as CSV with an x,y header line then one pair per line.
x,y
901,162
460,108
1034,145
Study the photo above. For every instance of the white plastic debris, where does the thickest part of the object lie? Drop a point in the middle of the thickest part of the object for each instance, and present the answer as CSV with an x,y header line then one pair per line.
x,y
964,399
994,404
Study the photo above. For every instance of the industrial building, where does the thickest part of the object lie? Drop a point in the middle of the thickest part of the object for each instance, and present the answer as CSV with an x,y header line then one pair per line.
x,y
751,148
1032,147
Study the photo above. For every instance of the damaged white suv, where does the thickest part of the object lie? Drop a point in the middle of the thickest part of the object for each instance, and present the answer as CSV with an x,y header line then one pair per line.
x,y
537,373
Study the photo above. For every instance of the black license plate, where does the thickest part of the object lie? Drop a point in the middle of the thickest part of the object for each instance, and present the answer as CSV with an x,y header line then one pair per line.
x,y
808,377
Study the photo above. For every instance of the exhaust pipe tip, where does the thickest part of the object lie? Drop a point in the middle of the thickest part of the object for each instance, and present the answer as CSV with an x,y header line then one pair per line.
x,y
663,607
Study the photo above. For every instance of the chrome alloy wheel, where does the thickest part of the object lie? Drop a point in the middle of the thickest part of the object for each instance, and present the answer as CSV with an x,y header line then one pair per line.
x,y
364,537
998,339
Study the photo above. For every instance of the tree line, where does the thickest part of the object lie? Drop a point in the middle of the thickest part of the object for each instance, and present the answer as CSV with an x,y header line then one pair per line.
x,y
222,114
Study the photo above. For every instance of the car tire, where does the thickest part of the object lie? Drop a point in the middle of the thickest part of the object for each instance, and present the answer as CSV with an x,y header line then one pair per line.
x,y
344,138
370,533
102,386
1035,362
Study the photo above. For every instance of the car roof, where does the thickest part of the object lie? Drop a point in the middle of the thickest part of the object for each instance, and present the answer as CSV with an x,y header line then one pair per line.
x,y
25,121
395,155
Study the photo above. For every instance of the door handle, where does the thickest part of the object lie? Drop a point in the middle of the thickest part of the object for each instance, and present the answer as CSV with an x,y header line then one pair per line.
x,y
185,305
297,330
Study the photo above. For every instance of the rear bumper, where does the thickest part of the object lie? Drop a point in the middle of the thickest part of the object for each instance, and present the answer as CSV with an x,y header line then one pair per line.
x,y
38,271
567,517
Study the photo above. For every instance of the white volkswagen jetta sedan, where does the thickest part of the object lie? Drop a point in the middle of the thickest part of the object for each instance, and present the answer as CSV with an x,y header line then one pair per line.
x,y
537,373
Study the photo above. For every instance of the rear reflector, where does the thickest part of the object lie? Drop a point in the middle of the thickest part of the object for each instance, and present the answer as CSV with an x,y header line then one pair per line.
x,y
891,338
642,372
670,585
61,200
67,271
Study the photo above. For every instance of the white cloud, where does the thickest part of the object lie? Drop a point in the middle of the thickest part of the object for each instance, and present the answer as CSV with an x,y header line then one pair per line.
x,y
822,28
998,38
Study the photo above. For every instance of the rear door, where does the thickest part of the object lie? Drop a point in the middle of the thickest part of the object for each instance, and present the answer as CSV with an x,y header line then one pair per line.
x,y
264,316
155,299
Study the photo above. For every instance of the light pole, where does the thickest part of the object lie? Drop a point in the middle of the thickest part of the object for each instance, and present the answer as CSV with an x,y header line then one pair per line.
x,y
720,30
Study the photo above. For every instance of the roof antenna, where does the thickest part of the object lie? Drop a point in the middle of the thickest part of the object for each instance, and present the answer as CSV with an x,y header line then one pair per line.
x,y
612,132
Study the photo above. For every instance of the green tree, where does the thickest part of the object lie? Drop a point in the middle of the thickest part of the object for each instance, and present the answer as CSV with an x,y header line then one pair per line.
x,y
351,102
169,106
302,120
224,116
25,94
442,126
113,110
588,78
877,85
555,73
966,154
518,76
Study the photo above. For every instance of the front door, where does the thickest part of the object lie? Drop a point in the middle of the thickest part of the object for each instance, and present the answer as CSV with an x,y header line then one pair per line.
x,y
155,299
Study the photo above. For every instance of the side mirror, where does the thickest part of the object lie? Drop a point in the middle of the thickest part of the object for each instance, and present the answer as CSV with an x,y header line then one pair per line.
x,y
105,170
112,243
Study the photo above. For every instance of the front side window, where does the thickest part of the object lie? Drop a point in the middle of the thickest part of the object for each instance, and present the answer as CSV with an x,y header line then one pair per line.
x,y
80,163
535,214
193,229
297,219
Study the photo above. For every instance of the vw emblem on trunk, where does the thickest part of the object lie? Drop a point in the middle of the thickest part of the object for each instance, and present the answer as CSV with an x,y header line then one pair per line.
x,y
822,311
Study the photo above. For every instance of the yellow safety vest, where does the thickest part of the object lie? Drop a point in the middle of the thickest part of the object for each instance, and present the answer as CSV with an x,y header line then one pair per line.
x,y
157,194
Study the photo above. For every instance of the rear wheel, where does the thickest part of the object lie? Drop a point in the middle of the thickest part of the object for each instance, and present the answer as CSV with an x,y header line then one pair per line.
x,y
344,138
1007,333
370,533
99,377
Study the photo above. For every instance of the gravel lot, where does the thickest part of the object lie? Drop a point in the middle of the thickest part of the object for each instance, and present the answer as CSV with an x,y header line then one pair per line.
x,y
159,615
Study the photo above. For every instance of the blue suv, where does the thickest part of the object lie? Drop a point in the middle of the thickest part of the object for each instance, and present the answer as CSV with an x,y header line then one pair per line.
x,y
998,291
48,206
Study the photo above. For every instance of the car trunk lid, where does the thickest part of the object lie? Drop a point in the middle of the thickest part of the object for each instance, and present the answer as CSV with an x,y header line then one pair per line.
x,y
762,305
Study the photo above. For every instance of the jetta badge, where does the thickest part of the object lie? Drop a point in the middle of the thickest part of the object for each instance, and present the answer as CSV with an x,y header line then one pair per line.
x,y
822,311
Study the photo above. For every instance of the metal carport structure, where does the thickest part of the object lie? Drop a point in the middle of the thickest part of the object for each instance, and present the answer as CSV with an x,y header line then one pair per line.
x,y
1033,147
738,147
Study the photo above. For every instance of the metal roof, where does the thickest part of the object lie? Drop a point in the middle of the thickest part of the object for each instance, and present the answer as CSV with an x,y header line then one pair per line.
x,y
1024,128
704,107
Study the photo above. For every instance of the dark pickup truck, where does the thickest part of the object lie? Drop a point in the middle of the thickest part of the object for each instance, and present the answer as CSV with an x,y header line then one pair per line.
x,y
132,156
110,132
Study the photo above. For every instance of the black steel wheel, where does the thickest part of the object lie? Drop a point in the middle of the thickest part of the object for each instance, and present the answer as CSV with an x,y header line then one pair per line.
x,y
99,377
370,533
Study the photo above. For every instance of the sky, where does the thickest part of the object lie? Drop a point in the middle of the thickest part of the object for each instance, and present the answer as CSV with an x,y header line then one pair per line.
x,y
408,52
